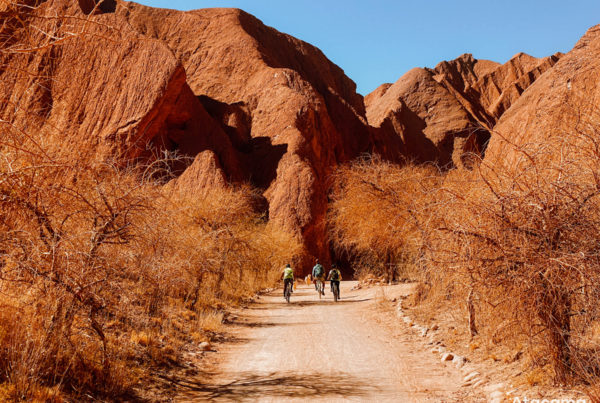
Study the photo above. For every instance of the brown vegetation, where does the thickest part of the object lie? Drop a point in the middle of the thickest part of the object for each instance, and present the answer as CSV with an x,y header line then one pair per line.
x,y
516,247
101,268
375,215
107,275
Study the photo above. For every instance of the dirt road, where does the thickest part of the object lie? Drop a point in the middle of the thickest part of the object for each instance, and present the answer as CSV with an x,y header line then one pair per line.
x,y
315,349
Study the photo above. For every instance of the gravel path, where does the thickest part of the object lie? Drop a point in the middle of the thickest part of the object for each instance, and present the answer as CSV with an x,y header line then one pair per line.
x,y
318,350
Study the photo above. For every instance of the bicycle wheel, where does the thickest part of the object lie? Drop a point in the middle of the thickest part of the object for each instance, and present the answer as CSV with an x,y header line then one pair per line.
x,y
336,292
320,288
287,293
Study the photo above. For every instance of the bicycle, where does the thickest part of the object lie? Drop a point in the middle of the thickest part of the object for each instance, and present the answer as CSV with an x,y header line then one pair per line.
x,y
288,291
336,291
320,286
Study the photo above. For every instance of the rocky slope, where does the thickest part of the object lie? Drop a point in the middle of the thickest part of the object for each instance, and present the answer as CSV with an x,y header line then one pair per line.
x,y
560,107
243,101
446,113
105,92
291,113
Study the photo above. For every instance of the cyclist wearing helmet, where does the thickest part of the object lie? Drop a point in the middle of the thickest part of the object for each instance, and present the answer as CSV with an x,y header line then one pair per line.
x,y
334,277
288,278
318,273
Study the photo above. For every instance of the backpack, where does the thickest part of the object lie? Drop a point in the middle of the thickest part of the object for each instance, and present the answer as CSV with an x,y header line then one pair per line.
x,y
335,275
318,270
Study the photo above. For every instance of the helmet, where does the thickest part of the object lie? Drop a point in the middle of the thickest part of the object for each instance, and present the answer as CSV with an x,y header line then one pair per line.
x,y
333,266
287,265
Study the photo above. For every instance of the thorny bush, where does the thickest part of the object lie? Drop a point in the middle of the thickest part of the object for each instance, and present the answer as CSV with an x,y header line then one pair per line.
x,y
92,256
518,243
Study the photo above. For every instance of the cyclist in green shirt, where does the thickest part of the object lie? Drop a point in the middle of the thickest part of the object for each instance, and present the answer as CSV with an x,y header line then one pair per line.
x,y
288,278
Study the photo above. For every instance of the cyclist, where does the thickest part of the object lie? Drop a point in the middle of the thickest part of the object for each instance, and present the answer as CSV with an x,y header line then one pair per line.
x,y
334,277
288,278
318,273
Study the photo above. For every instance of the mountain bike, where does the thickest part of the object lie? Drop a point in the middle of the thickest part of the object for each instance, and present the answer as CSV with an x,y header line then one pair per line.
x,y
288,291
336,290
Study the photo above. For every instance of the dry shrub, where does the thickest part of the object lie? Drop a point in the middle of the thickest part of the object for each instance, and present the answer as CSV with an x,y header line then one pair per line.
x,y
105,274
100,267
523,241
516,247
375,215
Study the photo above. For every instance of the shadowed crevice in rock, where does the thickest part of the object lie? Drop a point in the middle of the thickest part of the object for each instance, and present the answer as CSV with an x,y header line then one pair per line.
x,y
343,258
258,156
180,129
262,160
417,145
97,6
234,118
472,148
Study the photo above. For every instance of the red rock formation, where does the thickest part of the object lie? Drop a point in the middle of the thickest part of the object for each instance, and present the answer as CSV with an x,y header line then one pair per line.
x,y
106,92
445,114
291,113
559,105
244,101
376,95
501,87
204,173
423,113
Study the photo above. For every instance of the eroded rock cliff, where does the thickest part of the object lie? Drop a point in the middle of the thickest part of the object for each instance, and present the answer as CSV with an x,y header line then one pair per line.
x,y
243,101
559,108
446,114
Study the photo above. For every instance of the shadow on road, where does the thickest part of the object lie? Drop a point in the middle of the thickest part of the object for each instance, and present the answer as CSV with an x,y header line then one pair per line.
x,y
291,385
271,324
300,302
326,302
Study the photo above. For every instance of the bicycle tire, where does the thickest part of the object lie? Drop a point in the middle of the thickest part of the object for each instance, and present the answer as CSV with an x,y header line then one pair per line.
x,y
287,293
336,292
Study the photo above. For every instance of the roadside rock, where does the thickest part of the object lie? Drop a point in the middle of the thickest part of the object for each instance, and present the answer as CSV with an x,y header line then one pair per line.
x,y
471,376
458,361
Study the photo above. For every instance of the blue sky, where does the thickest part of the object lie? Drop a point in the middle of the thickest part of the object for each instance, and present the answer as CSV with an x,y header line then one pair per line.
x,y
379,40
